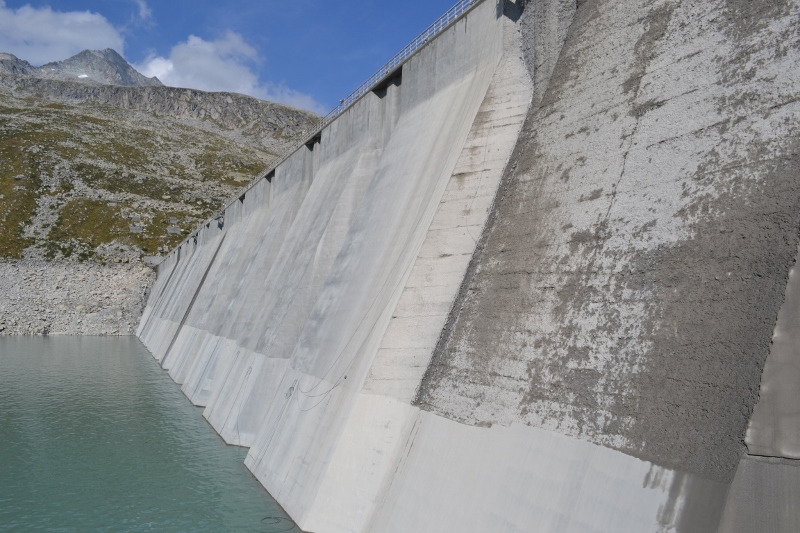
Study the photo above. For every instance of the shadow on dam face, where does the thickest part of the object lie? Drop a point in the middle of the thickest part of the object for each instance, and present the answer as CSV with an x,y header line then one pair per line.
x,y
563,234
393,79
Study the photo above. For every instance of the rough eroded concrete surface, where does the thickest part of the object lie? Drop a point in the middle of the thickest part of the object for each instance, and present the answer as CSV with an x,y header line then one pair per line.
x,y
627,288
544,28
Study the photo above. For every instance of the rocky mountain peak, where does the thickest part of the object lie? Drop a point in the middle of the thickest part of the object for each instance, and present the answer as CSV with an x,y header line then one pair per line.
x,y
11,64
105,67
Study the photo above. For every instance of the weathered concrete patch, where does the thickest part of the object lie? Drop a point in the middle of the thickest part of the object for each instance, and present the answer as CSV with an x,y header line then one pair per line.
x,y
627,288
544,28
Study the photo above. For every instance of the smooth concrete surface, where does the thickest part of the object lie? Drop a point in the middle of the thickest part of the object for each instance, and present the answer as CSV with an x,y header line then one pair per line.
x,y
764,497
278,314
774,428
435,278
522,479
328,380
382,417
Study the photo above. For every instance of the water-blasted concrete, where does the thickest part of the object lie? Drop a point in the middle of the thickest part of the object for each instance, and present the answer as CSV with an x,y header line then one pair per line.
x,y
528,284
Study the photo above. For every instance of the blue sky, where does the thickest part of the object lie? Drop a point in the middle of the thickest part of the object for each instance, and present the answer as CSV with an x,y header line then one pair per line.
x,y
302,52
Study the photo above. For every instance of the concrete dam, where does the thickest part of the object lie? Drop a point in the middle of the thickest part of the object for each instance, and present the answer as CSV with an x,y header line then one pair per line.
x,y
539,276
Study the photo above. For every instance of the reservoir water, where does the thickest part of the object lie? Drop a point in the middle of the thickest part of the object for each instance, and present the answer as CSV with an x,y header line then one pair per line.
x,y
94,436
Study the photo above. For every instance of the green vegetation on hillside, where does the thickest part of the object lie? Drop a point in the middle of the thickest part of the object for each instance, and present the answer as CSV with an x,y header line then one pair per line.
x,y
87,181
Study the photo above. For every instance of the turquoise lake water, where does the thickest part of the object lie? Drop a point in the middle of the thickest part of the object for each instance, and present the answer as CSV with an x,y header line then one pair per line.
x,y
95,437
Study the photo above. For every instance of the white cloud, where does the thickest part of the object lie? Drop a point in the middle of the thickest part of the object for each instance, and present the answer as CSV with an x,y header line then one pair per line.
x,y
40,35
283,94
145,13
225,64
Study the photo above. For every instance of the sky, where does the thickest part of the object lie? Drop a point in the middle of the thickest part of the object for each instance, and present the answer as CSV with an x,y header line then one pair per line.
x,y
304,53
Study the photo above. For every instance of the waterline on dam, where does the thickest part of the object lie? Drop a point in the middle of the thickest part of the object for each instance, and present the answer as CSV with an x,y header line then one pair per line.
x,y
96,437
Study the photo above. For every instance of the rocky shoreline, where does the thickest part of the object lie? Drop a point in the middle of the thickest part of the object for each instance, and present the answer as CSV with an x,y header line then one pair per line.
x,y
70,298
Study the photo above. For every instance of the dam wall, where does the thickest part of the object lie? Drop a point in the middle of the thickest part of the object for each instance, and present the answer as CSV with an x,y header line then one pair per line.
x,y
304,318
638,257
529,282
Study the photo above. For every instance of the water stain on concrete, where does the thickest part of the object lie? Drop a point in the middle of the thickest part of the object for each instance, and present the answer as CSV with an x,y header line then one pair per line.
x,y
640,320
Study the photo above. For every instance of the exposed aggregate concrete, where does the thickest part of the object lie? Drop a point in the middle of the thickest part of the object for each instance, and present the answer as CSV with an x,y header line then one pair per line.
x,y
626,289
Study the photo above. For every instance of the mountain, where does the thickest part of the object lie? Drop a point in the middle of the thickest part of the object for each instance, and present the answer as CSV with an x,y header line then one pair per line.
x,y
107,171
104,67
248,120
100,173
11,64
104,78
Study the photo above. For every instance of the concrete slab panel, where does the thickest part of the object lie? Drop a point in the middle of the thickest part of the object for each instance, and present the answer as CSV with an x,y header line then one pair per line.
x,y
764,497
774,428
521,479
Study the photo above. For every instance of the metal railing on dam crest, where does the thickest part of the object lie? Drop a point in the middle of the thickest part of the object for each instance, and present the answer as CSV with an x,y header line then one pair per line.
x,y
452,14
461,8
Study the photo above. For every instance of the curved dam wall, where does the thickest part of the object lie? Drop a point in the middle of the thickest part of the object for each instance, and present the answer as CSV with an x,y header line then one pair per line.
x,y
528,283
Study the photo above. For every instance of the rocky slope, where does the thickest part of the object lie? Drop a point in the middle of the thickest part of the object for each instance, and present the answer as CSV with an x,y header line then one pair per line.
x,y
245,119
94,179
51,298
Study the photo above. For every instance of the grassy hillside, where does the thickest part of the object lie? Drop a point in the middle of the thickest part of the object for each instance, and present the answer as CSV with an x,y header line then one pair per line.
x,y
95,182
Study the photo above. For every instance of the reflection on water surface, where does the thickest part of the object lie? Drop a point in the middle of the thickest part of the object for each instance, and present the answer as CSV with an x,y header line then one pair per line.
x,y
94,436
